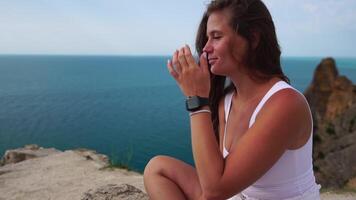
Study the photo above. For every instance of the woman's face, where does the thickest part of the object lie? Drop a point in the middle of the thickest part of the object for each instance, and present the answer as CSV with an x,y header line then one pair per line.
x,y
226,49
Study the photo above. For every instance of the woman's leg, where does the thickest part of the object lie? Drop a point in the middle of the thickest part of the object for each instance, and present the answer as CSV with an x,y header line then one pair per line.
x,y
168,178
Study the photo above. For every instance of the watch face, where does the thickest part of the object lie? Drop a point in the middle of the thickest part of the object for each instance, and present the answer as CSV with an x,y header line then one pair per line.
x,y
194,103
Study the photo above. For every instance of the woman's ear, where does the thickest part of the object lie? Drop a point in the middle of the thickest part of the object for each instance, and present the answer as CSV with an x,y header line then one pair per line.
x,y
255,38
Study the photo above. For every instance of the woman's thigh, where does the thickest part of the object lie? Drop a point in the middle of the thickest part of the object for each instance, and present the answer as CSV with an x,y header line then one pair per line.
x,y
181,173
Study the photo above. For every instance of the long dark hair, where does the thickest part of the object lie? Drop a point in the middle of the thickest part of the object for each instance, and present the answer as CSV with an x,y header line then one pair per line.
x,y
247,16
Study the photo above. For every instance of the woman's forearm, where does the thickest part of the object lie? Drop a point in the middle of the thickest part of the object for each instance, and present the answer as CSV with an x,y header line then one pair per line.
x,y
208,159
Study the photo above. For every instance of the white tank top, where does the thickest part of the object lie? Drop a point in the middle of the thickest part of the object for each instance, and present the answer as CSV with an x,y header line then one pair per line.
x,y
291,176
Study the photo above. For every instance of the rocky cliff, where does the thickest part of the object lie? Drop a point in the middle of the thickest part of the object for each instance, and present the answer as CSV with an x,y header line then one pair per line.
x,y
332,98
35,173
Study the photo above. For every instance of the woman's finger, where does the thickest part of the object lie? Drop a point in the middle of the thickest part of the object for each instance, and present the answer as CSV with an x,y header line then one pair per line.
x,y
176,65
204,62
171,70
189,57
183,62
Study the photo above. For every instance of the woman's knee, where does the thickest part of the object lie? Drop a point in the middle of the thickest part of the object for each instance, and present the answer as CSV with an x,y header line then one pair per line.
x,y
182,174
155,165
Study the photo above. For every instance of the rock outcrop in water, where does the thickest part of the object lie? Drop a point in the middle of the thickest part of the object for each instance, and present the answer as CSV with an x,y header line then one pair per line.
x,y
333,103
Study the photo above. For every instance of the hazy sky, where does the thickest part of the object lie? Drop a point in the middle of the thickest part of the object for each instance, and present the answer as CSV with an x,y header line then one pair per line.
x,y
142,27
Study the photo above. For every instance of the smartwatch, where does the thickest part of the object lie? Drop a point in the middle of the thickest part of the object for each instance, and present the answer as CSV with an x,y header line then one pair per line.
x,y
194,103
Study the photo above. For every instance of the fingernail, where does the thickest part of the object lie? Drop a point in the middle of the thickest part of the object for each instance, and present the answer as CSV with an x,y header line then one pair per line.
x,y
204,54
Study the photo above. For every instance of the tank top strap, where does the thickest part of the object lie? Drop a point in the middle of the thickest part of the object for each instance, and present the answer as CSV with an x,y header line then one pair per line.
x,y
227,107
227,104
275,88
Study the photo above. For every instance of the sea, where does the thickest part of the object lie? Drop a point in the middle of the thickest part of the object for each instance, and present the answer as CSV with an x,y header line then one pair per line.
x,y
126,107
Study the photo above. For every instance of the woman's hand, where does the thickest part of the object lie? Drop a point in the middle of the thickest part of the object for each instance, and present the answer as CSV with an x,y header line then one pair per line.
x,y
193,80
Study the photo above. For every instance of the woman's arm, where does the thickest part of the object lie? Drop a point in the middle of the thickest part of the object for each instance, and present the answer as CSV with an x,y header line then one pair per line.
x,y
276,127
208,159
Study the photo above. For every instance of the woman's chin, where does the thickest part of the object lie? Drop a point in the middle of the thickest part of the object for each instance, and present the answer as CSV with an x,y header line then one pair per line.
x,y
214,70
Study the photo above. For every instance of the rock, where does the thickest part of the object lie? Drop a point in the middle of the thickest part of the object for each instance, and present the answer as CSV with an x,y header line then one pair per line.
x,y
32,147
329,94
115,192
340,99
321,87
334,151
28,152
100,159
333,103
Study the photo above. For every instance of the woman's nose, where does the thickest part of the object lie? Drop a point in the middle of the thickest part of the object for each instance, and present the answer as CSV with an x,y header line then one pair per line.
x,y
208,48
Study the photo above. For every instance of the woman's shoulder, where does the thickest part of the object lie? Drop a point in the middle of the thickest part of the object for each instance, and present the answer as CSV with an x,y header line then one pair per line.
x,y
289,106
289,97
287,100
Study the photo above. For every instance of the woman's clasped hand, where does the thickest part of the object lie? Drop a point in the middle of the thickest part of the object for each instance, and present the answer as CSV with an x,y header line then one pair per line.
x,y
192,78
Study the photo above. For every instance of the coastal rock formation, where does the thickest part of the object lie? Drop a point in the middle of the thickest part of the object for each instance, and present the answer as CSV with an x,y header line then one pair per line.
x,y
333,103
72,174
329,94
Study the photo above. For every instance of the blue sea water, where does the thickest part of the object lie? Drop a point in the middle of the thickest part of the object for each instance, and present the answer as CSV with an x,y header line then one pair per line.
x,y
126,107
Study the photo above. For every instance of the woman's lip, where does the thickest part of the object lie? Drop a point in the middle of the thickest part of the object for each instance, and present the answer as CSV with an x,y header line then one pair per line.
x,y
212,60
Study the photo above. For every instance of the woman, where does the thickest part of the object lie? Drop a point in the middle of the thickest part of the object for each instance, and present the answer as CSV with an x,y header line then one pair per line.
x,y
251,139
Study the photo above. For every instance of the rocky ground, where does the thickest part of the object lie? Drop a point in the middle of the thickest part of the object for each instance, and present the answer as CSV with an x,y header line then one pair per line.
x,y
34,173
339,196
68,175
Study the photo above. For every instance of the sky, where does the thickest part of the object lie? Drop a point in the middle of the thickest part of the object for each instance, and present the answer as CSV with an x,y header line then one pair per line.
x,y
140,27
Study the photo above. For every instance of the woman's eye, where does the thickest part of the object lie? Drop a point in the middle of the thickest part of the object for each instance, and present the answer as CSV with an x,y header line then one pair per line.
x,y
216,37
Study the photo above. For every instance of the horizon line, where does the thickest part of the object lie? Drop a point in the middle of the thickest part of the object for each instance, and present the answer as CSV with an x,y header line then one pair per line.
x,y
149,55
